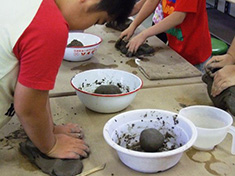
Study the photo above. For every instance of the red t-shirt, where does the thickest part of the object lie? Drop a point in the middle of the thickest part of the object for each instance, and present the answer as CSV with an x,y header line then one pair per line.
x,y
191,39
40,49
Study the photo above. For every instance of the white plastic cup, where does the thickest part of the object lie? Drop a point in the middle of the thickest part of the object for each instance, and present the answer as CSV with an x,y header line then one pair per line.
x,y
212,125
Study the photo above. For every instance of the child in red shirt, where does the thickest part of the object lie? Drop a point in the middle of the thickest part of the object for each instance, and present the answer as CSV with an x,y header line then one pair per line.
x,y
32,45
186,25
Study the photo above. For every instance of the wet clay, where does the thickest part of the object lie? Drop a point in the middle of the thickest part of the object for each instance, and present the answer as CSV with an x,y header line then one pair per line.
x,y
89,66
107,89
119,26
151,140
75,43
51,166
209,161
225,100
144,49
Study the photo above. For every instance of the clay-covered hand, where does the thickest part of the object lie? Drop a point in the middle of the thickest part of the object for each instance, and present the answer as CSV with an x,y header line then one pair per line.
x,y
67,147
135,42
223,78
217,62
70,129
127,33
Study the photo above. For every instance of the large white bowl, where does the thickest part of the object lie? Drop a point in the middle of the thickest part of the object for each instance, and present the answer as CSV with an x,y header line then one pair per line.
x,y
91,43
125,128
86,82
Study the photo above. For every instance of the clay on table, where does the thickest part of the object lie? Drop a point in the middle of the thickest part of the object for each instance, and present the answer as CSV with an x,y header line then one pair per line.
x,y
75,43
119,26
51,166
107,89
151,140
144,49
225,100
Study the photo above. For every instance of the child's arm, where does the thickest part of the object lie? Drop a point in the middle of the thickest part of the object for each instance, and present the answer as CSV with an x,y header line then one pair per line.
x,y
220,61
167,23
148,8
231,50
137,7
224,77
31,107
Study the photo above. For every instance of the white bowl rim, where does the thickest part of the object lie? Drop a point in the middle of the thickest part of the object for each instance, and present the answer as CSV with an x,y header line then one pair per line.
x,y
211,107
176,151
87,46
108,95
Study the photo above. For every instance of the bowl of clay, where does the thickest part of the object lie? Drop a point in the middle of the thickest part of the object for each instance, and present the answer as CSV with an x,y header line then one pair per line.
x,y
81,46
135,136
106,90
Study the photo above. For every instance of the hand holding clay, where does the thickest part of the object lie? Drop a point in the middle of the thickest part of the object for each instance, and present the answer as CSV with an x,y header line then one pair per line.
x,y
69,129
151,140
136,41
144,49
127,33
224,78
217,62
67,147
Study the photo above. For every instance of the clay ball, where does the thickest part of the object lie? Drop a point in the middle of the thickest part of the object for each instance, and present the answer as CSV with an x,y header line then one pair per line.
x,y
151,140
107,89
75,43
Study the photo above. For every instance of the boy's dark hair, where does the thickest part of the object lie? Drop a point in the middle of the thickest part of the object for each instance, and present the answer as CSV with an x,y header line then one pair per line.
x,y
118,10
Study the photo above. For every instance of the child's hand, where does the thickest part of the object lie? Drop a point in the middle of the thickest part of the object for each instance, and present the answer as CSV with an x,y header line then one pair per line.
x,y
135,42
127,33
70,129
67,147
217,62
223,79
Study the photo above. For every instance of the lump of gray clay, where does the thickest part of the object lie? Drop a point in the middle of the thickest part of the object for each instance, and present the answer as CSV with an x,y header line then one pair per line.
x,y
51,166
225,100
107,89
75,43
144,49
151,140
119,26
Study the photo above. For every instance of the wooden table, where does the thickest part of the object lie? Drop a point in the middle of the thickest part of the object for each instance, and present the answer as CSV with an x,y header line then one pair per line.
x,y
69,109
108,57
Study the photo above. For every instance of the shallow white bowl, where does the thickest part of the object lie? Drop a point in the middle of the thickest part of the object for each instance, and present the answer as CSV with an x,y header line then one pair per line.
x,y
91,43
86,82
130,124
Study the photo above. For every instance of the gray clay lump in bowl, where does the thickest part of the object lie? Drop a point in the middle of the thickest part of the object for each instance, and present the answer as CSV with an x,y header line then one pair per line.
x,y
151,140
107,89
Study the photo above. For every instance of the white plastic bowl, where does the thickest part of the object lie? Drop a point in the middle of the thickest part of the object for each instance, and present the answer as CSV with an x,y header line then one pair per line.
x,y
133,122
80,53
86,82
